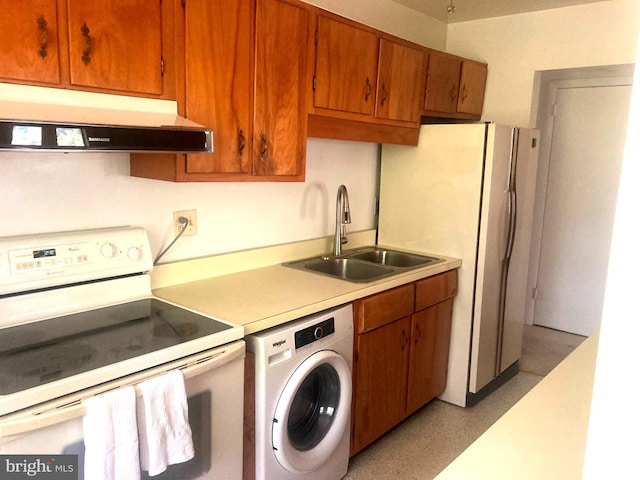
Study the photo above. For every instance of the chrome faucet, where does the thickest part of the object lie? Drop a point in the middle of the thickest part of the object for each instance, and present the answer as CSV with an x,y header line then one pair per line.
x,y
343,216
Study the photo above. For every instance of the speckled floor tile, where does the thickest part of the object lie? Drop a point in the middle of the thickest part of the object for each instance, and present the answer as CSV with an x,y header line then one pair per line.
x,y
424,444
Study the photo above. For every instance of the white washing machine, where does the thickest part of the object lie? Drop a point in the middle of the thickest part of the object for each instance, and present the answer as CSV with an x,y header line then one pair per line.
x,y
303,397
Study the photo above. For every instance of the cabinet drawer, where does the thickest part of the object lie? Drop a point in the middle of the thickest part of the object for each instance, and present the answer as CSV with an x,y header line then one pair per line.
x,y
435,289
380,309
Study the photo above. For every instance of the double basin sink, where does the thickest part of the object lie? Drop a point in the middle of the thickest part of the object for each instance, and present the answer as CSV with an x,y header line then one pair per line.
x,y
364,265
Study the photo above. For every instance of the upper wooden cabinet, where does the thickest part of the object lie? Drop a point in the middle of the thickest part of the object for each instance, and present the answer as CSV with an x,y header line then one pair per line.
x,y
281,86
30,41
400,73
219,82
443,83
473,79
116,45
454,87
367,80
112,46
346,67
246,77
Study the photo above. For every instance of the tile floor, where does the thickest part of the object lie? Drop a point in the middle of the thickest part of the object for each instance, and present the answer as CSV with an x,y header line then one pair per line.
x,y
425,443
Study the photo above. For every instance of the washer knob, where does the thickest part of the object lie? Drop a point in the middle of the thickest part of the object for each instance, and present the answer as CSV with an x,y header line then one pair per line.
x,y
108,249
318,333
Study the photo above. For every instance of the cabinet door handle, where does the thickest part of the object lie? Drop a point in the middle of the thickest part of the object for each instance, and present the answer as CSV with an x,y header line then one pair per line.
x,y
44,38
418,334
264,145
86,53
367,93
405,340
241,142
384,95
464,92
453,93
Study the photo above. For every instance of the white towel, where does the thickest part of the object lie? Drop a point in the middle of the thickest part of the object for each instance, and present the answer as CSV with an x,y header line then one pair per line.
x,y
111,436
163,423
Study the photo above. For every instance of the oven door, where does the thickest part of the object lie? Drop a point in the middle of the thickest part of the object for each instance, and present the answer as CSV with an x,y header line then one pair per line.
x,y
215,391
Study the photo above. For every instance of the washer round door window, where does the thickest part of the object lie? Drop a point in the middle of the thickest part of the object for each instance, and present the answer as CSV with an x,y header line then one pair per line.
x,y
312,412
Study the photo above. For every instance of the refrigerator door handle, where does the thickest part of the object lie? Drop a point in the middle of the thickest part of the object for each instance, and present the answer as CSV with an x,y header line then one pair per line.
x,y
512,213
511,237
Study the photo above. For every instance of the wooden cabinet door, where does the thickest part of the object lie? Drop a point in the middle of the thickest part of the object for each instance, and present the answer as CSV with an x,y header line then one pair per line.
x,y
280,110
116,45
443,76
430,332
29,41
219,82
400,82
346,67
473,79
380,381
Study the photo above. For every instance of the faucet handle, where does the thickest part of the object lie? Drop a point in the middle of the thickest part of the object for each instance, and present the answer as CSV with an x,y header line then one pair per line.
x,y
343,235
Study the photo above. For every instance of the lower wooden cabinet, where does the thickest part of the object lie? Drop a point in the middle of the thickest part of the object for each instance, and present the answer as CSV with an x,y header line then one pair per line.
x,y
401,353
380,388
430,334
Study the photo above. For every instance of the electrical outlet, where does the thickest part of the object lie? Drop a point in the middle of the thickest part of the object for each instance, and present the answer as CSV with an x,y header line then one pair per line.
x,y
192,226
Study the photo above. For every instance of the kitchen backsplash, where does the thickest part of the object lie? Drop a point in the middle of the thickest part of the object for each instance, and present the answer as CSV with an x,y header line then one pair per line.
x,y
43,192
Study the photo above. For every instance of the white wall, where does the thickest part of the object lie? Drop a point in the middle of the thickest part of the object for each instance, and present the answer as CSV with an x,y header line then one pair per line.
x,y
516,46
390,17
44,192
615,418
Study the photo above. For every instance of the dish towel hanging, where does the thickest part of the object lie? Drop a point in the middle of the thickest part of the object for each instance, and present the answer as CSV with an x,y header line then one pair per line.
x,y
111,436
163,423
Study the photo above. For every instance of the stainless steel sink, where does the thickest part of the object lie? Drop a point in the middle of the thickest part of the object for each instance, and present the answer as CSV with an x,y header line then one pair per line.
x,y
394,258
364,264
349,269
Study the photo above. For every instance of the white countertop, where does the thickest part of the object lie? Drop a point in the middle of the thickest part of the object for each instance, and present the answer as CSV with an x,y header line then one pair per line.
x,y
265,297
544,435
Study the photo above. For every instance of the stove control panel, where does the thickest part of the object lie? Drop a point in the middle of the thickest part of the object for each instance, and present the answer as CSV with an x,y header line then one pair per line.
x,y
48,258
41,261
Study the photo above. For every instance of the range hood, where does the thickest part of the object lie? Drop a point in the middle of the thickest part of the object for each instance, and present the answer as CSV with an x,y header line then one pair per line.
x,y
86,125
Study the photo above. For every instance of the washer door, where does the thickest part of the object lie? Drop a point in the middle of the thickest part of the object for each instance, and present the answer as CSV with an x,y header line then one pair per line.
x,y
312,412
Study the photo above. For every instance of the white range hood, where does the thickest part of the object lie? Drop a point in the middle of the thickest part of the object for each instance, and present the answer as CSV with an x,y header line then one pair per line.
x,y
47,119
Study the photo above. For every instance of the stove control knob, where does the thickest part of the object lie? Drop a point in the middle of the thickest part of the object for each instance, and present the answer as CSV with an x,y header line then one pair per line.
x,y
134,253
108,250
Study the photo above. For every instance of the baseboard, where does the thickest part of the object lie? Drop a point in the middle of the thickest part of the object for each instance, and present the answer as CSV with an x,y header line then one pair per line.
x,y
504,377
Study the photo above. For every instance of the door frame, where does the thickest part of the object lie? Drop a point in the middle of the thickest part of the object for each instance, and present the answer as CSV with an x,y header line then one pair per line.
x,y
548,84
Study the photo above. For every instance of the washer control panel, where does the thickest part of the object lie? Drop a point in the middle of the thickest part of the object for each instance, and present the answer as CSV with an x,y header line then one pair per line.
x,y
314,332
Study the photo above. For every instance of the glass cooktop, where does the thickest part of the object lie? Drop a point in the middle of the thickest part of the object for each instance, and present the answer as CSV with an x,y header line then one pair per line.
x,y
37,353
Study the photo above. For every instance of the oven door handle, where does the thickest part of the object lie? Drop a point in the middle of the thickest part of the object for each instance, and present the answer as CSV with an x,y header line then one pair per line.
x,y
11,429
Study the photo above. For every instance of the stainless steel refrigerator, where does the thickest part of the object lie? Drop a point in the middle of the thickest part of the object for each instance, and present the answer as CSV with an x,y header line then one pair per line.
x,y
467,191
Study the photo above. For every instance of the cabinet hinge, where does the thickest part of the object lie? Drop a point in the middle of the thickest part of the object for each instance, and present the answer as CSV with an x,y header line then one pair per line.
x,y
162,66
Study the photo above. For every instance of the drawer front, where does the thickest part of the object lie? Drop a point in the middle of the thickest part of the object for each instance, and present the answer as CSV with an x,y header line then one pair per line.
x,y
435,289
382,308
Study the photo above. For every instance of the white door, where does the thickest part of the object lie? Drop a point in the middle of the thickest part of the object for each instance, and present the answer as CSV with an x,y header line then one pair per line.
x,y
584,166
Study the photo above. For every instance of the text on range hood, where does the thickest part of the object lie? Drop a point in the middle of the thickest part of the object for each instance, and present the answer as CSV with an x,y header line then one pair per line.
x,y
63,128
